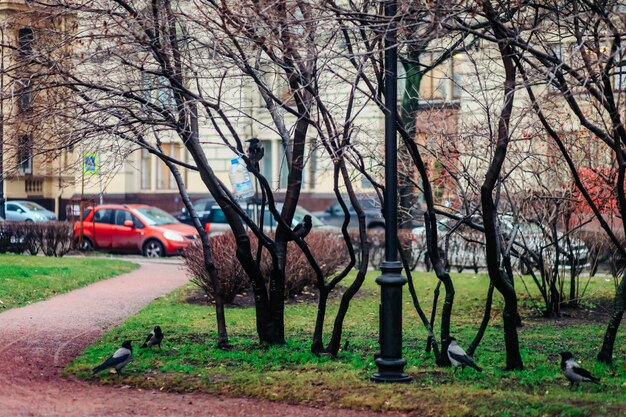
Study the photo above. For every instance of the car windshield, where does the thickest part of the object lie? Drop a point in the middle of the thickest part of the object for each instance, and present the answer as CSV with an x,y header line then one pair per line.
x,y
32,206
153,216
370,203
299,214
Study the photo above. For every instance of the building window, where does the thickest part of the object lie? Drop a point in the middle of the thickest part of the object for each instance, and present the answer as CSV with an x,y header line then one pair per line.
x,y
158,91
25,155
284,168
25,39
441,83
456,81
165,179
312,168
620,70
174,152
556,51
25,96
146,170
267,165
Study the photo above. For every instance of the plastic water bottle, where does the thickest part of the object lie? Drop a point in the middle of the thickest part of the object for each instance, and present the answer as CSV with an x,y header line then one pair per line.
x,y
240,178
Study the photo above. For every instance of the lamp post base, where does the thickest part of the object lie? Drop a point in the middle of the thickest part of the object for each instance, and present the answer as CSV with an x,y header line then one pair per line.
x,y
391,371
390,362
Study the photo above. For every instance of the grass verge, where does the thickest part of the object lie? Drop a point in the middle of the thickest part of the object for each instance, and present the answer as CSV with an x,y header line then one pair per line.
x,y
28,279
189,360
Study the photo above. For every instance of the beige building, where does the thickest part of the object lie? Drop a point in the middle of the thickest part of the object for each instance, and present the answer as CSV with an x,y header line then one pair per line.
x,y
48,180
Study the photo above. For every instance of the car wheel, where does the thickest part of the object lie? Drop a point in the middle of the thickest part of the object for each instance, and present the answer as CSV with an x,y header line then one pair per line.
x,y
153,249
29,221
86,246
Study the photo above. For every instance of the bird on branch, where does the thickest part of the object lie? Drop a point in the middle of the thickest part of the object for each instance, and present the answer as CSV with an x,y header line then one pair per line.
x,y
256,151
573,372
303,228
118,360
458,357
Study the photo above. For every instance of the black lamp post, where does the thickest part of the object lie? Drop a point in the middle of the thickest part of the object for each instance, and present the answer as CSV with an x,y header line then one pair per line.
x,y
2,199
390,362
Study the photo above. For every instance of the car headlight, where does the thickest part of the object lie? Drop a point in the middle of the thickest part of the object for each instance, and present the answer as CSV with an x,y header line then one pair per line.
x,y
175,237
40,216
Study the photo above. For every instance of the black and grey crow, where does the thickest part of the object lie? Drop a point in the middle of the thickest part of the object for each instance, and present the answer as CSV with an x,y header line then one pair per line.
x,y
573,372
154,338
255,150
303,228
458,357
120,358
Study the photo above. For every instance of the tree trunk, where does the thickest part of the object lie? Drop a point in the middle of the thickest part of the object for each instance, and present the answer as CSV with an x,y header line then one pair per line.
x,y
492,239
483,324
619,303
218,295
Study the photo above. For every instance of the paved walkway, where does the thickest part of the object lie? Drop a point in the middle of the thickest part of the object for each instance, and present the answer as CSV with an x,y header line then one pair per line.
x,y
37,341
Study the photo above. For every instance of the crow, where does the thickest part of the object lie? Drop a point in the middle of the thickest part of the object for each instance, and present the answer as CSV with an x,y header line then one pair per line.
x,y
120,358
155,337
458,357
255,150
303,228
573,372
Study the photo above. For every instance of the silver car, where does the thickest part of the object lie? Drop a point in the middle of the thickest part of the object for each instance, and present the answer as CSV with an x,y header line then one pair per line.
x,y
27,211
214,220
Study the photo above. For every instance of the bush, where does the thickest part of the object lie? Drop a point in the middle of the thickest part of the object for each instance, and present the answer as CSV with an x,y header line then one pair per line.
x,y
376,239
230,273
328,250
54,239
602,250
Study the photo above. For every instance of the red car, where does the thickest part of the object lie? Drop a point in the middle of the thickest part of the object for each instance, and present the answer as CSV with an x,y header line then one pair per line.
x,y
134,228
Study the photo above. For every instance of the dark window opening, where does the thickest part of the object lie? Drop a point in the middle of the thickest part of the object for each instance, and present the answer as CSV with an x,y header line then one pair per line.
x,y
25,155
25,96
26,37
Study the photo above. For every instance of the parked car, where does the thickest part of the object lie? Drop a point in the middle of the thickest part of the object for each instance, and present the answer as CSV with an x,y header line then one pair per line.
x,y
27,211
134,228
202,205
466,246
214,220
370,204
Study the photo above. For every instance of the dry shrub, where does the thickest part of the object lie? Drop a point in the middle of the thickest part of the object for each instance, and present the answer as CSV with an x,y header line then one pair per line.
x,y
376,239
231,276
602,250
55,239
329,251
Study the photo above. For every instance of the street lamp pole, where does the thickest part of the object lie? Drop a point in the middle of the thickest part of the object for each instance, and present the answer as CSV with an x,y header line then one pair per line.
x,y
390,362
2,208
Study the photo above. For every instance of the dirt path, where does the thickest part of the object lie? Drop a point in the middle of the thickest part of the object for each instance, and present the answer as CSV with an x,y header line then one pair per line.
x,y
38,340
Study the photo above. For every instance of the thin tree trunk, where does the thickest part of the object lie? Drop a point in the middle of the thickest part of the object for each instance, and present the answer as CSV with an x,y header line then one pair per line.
x,y
417,306
484,323
433,315
619,303
492,239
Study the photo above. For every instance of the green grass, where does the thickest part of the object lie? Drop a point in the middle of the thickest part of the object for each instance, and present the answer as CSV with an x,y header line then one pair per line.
x,y
27,279
189,360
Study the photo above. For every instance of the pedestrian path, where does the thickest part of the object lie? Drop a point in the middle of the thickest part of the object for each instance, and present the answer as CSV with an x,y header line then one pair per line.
x,y
38,340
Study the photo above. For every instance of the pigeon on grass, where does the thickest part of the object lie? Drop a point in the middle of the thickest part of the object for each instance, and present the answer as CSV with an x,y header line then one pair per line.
x,y
458,357
573,372
303,228
154,338
118,360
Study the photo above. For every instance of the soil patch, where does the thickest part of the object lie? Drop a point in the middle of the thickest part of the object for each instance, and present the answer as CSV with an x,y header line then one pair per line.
x,y
246,299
